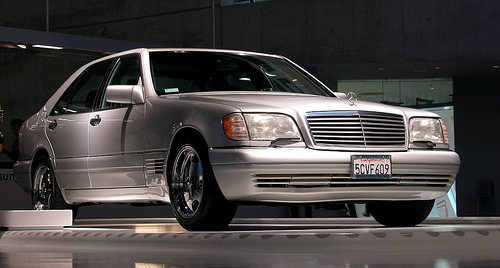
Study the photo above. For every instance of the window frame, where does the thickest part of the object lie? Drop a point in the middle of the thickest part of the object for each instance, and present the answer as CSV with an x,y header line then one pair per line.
x,y
75,86
100,99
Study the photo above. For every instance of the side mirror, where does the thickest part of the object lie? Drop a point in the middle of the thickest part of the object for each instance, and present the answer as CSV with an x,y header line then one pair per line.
x,y
125,94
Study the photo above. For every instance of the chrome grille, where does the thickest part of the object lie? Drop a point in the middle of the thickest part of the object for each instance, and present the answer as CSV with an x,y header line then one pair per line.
x,y
357,129
345,180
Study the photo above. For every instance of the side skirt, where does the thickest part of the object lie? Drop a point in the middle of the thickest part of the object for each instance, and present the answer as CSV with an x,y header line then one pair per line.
x,y
117,195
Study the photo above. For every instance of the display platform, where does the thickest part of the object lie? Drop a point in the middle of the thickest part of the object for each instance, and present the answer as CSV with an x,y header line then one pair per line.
x,y
441,242
35,219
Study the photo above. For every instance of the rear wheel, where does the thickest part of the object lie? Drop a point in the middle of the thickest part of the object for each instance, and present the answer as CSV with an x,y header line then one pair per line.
x,y
46,193
197,201
400,213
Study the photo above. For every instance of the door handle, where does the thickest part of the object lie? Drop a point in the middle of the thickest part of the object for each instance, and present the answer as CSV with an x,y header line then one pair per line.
x,y
96,120
53,124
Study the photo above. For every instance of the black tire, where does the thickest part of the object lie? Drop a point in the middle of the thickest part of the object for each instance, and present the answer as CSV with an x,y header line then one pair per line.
x,y
45,194
197,202
400,213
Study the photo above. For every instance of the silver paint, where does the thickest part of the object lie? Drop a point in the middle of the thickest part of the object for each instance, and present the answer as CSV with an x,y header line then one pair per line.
x,y
124,157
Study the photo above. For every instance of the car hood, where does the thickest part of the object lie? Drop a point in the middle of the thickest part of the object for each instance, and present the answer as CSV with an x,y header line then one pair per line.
x,y
280,102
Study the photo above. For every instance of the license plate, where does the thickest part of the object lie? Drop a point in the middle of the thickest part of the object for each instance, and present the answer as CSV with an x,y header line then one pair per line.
x,y
371,166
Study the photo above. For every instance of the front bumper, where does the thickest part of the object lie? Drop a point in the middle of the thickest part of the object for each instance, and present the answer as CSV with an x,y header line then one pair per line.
x,y
303,175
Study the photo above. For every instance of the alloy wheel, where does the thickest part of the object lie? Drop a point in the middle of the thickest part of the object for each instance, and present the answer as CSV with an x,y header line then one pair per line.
x,y
42,187
187,181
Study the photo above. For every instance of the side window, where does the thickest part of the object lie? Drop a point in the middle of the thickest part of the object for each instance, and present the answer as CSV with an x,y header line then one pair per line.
x,y
80,95
126,72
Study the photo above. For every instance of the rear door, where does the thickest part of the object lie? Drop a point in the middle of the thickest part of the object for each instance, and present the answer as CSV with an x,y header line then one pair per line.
x,y
68,125
116,135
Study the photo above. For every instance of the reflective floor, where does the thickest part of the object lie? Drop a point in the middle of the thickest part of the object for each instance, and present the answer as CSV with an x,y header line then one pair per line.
x,y
441,242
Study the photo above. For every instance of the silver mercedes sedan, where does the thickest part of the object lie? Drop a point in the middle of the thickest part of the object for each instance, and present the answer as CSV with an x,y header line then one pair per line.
x,y
206,130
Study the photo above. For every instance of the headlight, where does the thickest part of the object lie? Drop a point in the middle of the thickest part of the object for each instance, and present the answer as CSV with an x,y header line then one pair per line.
x,y
428,130
260,127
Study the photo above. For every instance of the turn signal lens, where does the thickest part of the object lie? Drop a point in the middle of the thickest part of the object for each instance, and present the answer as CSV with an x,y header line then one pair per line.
x,y
234,127
445,132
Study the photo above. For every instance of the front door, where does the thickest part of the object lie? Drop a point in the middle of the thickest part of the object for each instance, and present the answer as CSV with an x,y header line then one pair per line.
x,y
116,135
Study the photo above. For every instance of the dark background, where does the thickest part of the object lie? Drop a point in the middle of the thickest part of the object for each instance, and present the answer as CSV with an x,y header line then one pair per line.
x,y
335,39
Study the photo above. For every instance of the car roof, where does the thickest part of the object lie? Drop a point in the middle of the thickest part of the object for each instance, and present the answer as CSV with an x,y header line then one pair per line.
x,y
229,51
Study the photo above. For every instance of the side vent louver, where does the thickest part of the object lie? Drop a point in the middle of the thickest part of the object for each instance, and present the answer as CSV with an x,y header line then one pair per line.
x,y
155,166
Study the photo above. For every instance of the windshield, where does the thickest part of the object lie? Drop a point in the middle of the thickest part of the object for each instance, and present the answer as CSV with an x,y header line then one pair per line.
x,y
176,72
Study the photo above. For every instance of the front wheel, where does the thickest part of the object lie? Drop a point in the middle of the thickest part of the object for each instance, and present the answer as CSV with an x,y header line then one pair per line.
x,y
198,203
45,191
400,213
